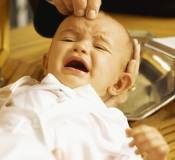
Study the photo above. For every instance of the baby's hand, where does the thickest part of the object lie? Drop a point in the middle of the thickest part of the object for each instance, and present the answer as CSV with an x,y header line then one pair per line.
x,y
150,143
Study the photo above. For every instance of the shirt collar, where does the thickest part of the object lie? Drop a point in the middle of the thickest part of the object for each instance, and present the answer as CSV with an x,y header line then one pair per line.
x,y
51,81
85,91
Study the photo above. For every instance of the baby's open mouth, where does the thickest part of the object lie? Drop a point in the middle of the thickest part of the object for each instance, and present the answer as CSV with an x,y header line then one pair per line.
x,y
78,64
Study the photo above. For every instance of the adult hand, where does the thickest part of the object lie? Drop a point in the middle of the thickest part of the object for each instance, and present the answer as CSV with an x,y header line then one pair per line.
x,y
133,65
150,143
133,69
87,8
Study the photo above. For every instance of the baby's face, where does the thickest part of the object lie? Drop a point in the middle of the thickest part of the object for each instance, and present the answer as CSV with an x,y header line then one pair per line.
x,y
88,52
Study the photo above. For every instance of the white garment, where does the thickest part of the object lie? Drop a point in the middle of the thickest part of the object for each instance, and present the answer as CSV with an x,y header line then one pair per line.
x,y
48,115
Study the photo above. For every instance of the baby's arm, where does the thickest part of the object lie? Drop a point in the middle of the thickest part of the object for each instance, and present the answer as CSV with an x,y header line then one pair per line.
x,y
150,143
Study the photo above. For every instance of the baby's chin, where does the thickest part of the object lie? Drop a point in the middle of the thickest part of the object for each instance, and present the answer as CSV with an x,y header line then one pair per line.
x,y
73,81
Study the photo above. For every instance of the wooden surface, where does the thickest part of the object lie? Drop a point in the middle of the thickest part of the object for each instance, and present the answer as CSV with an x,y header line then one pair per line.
x,y
27,49
4,31
156,26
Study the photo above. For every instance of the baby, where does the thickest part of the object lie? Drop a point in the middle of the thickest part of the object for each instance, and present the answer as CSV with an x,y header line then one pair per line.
x,y
64,116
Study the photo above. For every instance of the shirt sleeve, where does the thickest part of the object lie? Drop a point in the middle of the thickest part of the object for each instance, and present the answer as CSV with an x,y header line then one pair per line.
x,y
21,132
18,138
120,119
90,138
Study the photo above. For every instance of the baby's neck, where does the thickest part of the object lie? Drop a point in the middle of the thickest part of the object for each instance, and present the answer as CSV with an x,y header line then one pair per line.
x,y
106,99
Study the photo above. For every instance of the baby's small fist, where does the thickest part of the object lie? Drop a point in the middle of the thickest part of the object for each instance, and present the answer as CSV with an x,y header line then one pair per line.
x,y
149,141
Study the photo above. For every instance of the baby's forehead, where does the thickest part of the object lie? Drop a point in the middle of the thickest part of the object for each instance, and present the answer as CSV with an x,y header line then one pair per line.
x,y
101,23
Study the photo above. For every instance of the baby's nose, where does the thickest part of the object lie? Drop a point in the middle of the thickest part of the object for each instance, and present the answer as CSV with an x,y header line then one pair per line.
x,y
82,47
80,50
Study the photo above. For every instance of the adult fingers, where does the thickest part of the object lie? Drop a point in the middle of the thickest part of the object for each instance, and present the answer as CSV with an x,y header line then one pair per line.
x,y
131,68
92,8
136,48
133,65
136,55
68,4
61,7
79,7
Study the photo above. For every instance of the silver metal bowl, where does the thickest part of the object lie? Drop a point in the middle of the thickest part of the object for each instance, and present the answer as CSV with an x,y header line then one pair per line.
x,y
155,86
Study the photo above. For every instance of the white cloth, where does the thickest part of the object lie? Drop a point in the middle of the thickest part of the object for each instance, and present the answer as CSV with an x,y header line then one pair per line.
x,y
43,116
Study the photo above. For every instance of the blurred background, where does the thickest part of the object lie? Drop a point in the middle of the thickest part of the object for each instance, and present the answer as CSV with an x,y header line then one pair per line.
x,y
20,13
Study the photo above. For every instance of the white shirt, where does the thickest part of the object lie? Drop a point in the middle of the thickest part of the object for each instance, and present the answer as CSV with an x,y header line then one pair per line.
x,y
48,115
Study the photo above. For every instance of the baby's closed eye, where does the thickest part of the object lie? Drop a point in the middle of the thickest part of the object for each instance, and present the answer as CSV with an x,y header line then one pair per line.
x,y
68,38
101,47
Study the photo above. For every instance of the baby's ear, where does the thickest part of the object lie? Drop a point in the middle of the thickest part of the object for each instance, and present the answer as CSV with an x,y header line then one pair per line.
x,y
45,61
123,84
